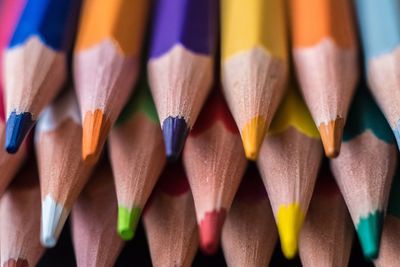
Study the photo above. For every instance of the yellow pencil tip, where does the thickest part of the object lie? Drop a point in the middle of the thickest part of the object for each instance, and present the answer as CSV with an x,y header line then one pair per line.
x,y
253,134
289,220
331,135
95,130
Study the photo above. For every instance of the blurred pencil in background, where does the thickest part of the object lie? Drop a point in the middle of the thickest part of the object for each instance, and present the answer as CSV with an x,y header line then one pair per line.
x,y
214,161
254,65
10,11
137,155
249,235
365,168
289,160
325,57
327,234
170,220
106,63
94,219
180,66
20,219
36,63
63,174
379,24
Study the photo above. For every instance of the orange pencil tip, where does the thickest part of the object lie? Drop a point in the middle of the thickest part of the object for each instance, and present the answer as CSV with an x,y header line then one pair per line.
x,y
253,134
95,131
331,135
210,231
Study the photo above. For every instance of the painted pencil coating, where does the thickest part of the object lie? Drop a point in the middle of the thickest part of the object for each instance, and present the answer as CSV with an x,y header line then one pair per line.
x,y
137,156
63,173
380,34
324,39
94,218
20,220
364,170
180,65
254,65
106,60
289,160
390,243
170,222
249,235
35,63
214,161
327,235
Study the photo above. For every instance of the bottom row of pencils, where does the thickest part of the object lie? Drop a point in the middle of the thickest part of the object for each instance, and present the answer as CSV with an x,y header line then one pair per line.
x,y
249,234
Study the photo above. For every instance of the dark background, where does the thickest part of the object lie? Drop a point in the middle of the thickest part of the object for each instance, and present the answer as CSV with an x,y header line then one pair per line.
x,y
136,253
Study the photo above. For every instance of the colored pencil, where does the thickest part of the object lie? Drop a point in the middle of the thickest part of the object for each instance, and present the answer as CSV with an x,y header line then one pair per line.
x,y
136,151
379,23
36,63
170,221
254,65
9,164
365,168
180,65
20,220
106,60
63,173
249,235
289,160
94,219
325,57
327,234
390,243
215,162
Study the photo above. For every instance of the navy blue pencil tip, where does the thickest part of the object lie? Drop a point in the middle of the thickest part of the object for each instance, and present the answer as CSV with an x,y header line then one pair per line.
x,y
175,131
17,128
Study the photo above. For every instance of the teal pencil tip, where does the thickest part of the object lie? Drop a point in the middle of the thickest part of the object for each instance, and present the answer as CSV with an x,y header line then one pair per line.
x,y
369,231
127,222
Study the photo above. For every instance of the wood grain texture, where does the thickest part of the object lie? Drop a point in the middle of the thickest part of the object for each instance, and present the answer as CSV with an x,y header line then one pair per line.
x,y
327,235
170,221
20,219
94,219
249,235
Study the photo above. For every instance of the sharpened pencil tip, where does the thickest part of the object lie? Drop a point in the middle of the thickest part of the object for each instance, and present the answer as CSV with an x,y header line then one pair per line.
x,y
175,131
253,134
369,231
95,130
16,263
289,221
53,219
17,128
331,136
127,222
210,230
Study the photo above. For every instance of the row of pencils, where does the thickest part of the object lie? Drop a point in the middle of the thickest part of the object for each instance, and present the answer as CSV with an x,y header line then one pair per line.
x,y
223,92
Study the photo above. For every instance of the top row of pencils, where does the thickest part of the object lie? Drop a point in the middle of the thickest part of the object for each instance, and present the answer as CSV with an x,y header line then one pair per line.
x,y
37,37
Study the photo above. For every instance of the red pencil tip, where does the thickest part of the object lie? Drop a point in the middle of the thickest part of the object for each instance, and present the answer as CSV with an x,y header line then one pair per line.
x,y
210,230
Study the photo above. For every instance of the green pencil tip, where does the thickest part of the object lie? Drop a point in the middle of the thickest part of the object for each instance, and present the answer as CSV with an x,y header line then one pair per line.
x,y
369,231
127,222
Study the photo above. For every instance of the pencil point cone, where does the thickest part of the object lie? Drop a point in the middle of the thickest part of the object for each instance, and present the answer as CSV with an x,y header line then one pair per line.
x,y
127,222
175,131
253,134
210,230
369,231
53,219
289,220
331,135
16,263
95,131
18,127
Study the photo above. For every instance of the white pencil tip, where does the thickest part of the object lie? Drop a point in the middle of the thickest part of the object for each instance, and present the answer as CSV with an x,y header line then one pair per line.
x,y
53,219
